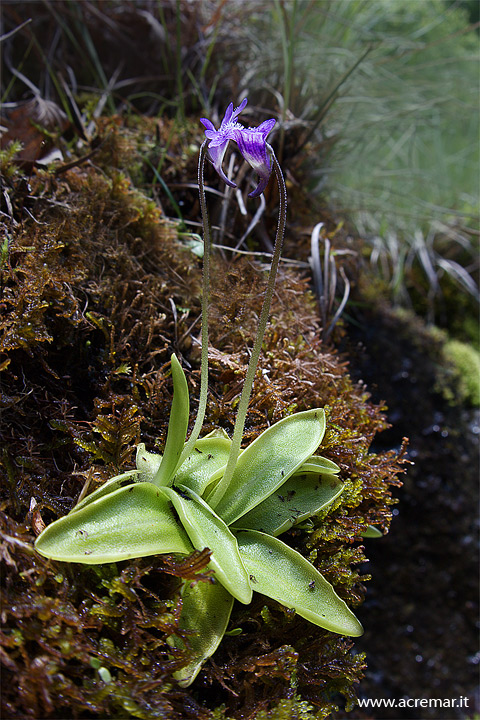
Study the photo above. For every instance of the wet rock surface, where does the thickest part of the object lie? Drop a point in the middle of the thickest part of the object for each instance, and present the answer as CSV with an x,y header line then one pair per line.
x,y
421,612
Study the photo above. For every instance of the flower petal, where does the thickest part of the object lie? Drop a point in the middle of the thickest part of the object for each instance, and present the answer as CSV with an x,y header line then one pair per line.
x,y
237,111
260,187
219,139
266,127
227,116
208,124
251,142
216,154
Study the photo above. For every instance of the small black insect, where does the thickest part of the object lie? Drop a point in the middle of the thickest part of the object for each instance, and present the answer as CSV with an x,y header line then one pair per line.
x,y
311,585
253,579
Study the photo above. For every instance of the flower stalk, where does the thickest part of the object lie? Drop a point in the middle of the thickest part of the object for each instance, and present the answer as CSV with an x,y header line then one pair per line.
x,y
257,346
207,244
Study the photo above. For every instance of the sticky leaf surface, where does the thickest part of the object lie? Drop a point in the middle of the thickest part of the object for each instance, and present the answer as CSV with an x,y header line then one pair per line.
x,y
147,463
298,498
177,426
268,462
205,529
131,522
286,576
108,487
205,612
319,464
209,455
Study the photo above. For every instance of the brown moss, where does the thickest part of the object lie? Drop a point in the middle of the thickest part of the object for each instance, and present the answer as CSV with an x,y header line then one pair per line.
x,y
62,624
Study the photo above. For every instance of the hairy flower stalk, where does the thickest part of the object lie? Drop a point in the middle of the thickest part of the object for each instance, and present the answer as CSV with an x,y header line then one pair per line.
x,y
202,403
260,156
257,346
252,145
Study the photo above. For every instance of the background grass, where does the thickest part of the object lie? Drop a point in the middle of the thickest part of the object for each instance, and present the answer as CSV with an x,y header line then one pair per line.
x,y
384,98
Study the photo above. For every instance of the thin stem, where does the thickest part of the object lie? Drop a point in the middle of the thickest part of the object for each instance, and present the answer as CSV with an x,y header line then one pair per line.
x,y
207,242
257,346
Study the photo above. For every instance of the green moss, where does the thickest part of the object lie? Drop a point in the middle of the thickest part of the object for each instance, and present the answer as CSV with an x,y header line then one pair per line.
x,y
8,167
465,361
451,366
289,710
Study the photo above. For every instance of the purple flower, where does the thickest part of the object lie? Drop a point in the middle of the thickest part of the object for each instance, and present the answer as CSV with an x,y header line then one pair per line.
x,y
251,143
220,138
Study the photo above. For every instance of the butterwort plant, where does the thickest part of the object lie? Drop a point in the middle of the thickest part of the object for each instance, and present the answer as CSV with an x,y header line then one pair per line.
x,y
208,492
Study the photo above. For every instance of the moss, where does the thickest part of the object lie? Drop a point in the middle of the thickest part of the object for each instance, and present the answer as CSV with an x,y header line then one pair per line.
x,y
449,366
8,154
465,361
98,291
57,636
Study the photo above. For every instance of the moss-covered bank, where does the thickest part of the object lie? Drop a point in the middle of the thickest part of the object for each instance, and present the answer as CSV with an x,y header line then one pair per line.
x,y
98,289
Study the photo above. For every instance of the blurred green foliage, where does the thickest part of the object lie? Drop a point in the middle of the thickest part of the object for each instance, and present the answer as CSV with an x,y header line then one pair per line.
x,y
465,361
383,99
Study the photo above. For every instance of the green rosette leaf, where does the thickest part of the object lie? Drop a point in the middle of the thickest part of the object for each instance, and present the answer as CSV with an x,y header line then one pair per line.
x,y
108,487
209,455
297,499
320,465
147,463
131,522
206,529
281,573
372,532
205,614
268,462
177,426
